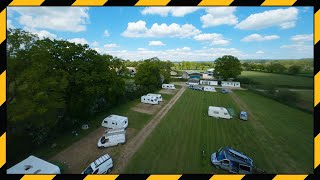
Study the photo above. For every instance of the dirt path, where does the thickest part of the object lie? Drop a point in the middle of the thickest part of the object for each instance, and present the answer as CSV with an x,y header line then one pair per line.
x,y
129,149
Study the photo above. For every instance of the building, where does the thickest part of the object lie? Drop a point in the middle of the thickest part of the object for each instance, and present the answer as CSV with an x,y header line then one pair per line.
x,y
230,84
191,75
211,83
173,73
132,71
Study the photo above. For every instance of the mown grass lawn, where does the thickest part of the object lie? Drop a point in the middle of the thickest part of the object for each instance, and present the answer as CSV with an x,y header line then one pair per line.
x,y
281,143
279,80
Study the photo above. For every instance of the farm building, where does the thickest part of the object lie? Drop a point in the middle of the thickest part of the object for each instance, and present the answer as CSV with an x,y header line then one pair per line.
x,y
191,75
168,86
207,76
34,165
173,73
230,84
115,122
209,88
149,99
193,82
211,83
158,96
132,71
218,112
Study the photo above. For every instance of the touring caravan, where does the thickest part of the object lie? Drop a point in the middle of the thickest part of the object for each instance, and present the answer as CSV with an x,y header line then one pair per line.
x,y
112,138
102,165
149,99
115,122
168,86
230,84
209,88
34,165
158,96
219,112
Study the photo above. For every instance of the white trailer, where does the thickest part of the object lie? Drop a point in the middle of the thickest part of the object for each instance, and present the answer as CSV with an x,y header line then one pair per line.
x,y
219,112
230,84
115,122
207,82
34,165
209,88
158,96
112,138
168,86
149,99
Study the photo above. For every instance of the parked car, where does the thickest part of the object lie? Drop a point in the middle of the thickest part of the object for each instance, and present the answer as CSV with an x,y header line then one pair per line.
x,y
244,115
224,91
102,165
233,161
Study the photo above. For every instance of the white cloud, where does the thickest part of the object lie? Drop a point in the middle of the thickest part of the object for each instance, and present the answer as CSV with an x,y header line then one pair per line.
x,y
258,37
302,37
106,33
73,19
213,38
218,16
299,46
165,11
95,44
284,18
9,24
156,43
142,49
139,29
259,52
81,41
110,46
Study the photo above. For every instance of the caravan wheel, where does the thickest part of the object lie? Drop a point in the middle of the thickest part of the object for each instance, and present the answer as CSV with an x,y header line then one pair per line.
x,y
109,170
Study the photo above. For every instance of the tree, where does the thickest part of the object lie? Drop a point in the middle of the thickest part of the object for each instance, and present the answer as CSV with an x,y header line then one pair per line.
x,y
275,67
228,66
294,69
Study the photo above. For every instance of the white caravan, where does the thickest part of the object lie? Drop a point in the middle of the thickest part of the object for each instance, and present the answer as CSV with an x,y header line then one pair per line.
x,y
211,83
102,165
218,112
149,99
112,138
168,86
115,122
158,96
34,165
209,88
230,84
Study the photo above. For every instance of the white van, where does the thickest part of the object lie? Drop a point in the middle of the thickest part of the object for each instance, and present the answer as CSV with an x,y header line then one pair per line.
x,y
209,88
112,138
219,112
102,165
115,122
168,86
149,99
158,96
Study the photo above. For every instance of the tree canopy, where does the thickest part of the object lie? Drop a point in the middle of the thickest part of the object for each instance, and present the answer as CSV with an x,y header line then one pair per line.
x,y
228,66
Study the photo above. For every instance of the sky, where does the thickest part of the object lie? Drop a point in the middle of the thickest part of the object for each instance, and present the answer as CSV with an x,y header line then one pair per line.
x,y
176,33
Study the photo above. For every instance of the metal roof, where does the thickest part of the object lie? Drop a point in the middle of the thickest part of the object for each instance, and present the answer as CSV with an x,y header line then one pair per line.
x,y
236,156
101,160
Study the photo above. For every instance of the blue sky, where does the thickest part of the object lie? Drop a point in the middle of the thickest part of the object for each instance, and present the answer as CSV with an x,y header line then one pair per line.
x,y
176,33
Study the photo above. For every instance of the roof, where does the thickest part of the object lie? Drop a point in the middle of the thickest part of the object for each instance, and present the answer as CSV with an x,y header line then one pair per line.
x,y
100,160
34,165
192,72
157,95
236,156
211,69
229,82
152,97
215,108
193,80
173,73
116,118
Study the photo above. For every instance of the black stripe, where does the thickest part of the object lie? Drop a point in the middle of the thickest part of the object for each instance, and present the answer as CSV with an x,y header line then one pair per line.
x,y
316,119
12,176
183,3
304,3
69,176
58,2
3,55
133,176
3,118
316,57
121,2
195,176
317,171
4,4
259,176
246,3
316,7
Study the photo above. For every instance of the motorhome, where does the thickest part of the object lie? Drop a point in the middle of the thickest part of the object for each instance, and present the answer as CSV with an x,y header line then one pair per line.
x,y
102,165
209,88
112,138
168,86
158,96
115,122
219,112
149,99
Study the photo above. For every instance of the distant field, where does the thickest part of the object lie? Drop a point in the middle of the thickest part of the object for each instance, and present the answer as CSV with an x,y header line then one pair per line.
x,y
279,80
279,140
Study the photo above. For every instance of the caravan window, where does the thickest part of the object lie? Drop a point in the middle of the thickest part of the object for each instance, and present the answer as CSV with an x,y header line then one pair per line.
x,y
151,100
225,113
215,112
112,122
89,170
225,162
244,168
96,171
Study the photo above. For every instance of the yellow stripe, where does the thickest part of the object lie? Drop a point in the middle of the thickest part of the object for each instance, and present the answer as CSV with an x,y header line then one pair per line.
x,y
3,25
316,150
152,2
290,177
38,177
278,2
227,177
164,177
26,2
316,27
2,87
101,177
89,2
2,149
316,89
215,2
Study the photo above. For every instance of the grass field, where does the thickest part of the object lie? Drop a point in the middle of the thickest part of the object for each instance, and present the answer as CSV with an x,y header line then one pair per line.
x,y
279,80
279,140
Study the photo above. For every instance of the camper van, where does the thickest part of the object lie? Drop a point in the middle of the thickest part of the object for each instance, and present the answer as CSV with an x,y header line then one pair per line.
x,y
112,138
158,96
232,161
168,86
209,88
149,99
102,165
34,165
219,112
115,122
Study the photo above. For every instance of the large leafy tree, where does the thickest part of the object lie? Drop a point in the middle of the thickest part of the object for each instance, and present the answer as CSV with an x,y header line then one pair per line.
x,y
228,66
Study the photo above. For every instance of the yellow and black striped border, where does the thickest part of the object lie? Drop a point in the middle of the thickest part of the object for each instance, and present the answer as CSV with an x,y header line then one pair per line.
x,y
3,67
